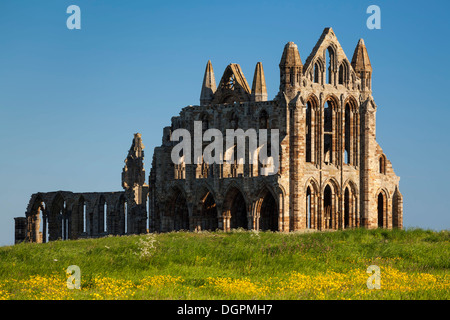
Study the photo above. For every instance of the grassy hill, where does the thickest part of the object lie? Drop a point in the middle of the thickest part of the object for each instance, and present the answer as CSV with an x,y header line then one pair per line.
x,y
414,264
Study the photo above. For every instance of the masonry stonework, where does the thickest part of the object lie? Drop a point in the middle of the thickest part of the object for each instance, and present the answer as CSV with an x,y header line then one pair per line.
x,y
332,174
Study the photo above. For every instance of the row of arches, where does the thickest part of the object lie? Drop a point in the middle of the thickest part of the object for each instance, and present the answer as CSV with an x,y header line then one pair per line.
x,y
331,208
60,218
325,209
332,133
232,212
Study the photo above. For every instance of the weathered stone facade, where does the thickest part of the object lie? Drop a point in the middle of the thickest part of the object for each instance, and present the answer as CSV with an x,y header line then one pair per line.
x,y
332,175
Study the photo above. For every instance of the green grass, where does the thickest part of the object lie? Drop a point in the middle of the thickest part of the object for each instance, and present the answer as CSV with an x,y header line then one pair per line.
x,y
236,265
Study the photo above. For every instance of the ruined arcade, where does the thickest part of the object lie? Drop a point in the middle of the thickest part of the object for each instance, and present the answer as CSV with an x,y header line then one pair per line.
x,y
332,172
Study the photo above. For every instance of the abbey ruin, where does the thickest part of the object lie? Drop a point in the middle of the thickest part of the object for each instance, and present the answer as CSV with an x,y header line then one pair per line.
x,y
332,173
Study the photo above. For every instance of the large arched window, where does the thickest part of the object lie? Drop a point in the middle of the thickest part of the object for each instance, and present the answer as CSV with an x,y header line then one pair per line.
x,y
308,134
348,135
328,207
328,132
329,58
381,207
316,73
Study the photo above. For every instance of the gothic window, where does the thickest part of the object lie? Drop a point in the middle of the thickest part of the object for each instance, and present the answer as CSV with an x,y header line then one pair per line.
x,y
347,135
381,209
328,132
329,58
308,132
341,74
316,73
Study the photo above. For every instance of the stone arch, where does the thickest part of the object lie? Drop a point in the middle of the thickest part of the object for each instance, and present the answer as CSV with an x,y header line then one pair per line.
x,y
37,220
343,73
330,60
267,210
235,208
311,128
350,205
350,139
312,204
397,209
57,218
330,127
318,71
79,213
101,214
205,216
121,216
177,212
382,200
330,196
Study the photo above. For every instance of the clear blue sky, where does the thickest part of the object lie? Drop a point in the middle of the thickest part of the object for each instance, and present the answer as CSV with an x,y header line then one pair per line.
x,y
70,100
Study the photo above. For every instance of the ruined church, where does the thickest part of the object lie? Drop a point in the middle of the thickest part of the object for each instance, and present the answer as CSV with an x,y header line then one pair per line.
x,y
332,172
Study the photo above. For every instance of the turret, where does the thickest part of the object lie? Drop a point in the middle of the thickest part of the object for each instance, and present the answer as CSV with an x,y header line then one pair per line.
x,y
209,85
361,65
259,90
133,173
291,68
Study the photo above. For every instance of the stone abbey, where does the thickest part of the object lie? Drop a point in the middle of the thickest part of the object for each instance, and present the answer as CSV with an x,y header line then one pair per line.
x,y
332,173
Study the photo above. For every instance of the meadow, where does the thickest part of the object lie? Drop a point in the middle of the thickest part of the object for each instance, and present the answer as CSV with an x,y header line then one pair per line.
x,y
413,264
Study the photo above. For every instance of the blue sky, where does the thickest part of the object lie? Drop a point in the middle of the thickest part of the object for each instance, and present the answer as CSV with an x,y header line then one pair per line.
x,y
70,100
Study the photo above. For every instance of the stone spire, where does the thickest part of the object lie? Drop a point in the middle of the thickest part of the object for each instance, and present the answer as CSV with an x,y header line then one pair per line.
x,y
134,173
259,90
361,65
209,85
360,60
290,70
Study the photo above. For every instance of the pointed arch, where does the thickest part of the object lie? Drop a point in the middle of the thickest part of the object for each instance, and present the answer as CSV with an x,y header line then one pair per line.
x,y
177,212
350,205
311,128
122,215
233,87
57,218
312,195
79,216
36,216
350,139
330,59
267,210
330,117
235,207
329,218
397,209
205,216
343,74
